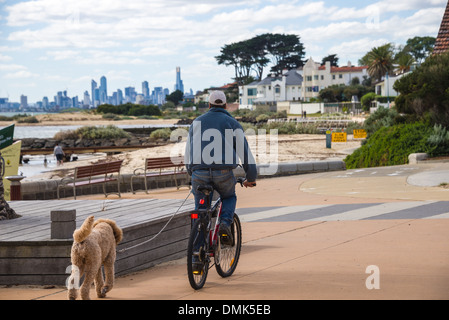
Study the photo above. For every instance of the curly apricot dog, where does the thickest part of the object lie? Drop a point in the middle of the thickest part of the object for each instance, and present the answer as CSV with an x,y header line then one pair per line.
x,y
94,245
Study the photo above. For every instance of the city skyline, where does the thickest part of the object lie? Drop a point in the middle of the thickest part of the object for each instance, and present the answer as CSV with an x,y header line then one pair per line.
x,y
98,95
49,46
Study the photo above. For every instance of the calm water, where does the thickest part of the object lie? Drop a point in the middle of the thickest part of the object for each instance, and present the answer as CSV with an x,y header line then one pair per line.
x,y
36,164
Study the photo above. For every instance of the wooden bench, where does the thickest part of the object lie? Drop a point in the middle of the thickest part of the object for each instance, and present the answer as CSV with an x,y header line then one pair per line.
x,y
154,167
93,174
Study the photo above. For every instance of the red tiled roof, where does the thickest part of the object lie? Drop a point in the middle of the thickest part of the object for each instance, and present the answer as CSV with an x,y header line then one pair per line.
x,y
224,87
442,41
344,69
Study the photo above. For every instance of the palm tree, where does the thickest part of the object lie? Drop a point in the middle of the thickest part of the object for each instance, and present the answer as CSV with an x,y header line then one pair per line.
x,y
380,61
404,61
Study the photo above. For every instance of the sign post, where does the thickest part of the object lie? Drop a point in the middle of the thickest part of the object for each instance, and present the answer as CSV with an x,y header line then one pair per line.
x,y
328,139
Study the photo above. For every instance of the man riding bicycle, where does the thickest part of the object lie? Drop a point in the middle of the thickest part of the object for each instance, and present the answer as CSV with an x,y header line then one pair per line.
x,y
214,146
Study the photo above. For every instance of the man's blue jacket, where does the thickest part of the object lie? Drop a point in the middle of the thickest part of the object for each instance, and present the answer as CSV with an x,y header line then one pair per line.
x,y
216,140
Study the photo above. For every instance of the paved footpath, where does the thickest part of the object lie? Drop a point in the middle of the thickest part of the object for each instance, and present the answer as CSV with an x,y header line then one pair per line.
x,y
378,233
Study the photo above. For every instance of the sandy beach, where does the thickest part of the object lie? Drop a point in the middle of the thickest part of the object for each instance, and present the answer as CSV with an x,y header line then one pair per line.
x,y
290,148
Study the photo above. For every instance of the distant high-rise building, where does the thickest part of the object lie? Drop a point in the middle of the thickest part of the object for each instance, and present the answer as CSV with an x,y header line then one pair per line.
x,y
75,102
86,99
23,101
93,86
45,103
158,96
119,96
139,99
103,90
179,85
130,94
114,99
96,97
58,98
145,89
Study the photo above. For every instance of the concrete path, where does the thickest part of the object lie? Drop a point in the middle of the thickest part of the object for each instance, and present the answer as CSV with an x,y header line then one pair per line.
x,y
355,234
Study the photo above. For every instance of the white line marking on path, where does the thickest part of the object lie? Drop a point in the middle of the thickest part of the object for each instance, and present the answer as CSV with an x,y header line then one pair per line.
x,y
372,211
278,212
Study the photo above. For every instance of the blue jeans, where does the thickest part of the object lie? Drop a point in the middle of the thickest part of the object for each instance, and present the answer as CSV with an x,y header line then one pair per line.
x,y
223,182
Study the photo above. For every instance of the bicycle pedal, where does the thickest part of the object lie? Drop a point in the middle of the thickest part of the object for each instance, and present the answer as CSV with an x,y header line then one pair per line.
x,y
226,239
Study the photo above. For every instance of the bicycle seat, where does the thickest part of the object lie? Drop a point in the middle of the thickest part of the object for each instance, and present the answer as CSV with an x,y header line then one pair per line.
x,y
206,189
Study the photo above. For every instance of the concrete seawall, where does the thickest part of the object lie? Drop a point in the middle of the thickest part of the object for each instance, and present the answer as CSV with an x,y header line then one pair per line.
x,y
47,189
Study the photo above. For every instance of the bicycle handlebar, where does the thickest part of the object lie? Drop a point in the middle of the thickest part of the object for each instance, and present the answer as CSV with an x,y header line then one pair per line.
x,y
241,180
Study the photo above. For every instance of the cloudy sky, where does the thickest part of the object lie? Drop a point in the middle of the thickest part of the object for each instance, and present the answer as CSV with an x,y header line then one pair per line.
x,y
54,45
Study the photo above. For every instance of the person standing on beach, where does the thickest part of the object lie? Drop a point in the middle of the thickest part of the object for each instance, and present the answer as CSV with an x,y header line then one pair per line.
x,y
59,154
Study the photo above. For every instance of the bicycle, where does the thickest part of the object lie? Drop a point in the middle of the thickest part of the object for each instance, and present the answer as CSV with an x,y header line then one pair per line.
x,y
205,244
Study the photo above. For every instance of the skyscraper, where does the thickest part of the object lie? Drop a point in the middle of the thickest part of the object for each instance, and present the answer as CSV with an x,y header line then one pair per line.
x,y
23,101
179,85
158,96
93,86
103,90
45,103
145,89
130,94
119,96
86,99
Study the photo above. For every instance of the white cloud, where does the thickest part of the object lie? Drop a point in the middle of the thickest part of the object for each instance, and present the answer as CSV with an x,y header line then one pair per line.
x,y
5,58
11,67
356,48
21,74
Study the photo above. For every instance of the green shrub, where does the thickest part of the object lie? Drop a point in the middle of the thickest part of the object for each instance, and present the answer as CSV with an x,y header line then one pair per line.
x,y
262,118
147,117
66,135
248,126
367,99
31,119
161,134
439,140
111,116
92,133
392,145
383,117
424,92
292,128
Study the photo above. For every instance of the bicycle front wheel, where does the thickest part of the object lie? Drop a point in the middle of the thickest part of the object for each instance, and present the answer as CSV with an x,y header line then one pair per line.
x,y
197,256
227,256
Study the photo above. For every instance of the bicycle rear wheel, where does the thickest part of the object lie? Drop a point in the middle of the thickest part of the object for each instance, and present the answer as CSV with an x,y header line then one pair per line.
x,y
197,257
227,256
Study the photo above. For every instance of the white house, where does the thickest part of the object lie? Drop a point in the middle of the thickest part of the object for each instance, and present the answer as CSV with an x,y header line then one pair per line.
x,y
271,90
318,77
300,84
385,88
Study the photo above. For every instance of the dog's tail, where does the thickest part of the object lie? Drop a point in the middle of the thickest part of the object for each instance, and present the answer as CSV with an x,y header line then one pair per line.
x,y
118,233
83,232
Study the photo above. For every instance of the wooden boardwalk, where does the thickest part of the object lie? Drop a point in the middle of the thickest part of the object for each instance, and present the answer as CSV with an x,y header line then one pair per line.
x,y
29,256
